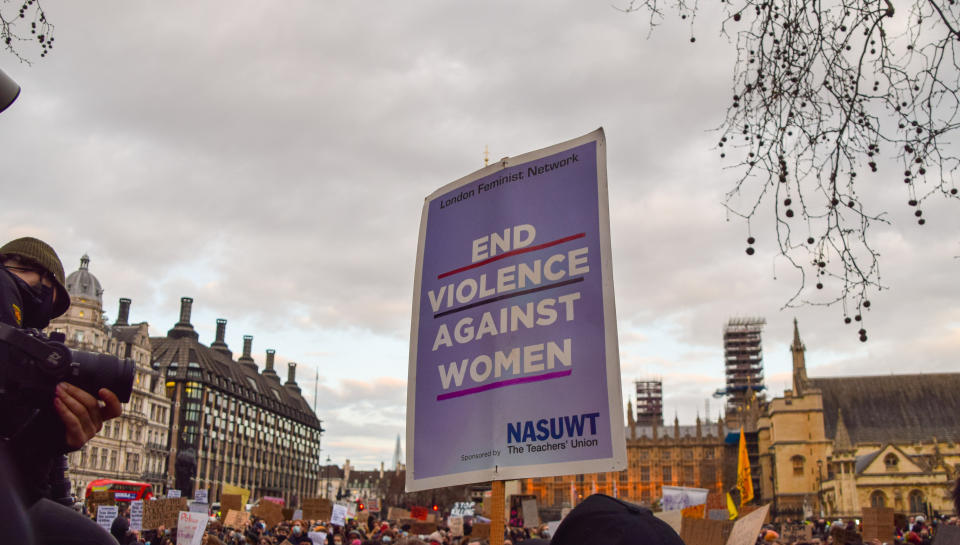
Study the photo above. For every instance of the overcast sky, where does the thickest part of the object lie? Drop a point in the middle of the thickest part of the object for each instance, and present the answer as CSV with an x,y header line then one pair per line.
x,y
270,160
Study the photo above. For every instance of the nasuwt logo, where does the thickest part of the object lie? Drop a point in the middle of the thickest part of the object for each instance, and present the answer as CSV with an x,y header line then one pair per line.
x,y
557,427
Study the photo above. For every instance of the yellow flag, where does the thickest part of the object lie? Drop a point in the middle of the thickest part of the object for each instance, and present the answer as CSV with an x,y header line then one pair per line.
x,y
731,507
744,482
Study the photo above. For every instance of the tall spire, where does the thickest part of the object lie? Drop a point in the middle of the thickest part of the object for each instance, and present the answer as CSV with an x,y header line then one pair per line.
x,y
800,381
396,454
841,439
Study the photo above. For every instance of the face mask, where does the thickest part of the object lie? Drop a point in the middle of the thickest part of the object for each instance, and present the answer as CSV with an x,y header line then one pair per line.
x,y
37,303
296,530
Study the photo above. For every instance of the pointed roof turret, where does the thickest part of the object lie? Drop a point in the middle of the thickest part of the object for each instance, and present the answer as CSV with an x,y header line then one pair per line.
x,y
800,381
841,441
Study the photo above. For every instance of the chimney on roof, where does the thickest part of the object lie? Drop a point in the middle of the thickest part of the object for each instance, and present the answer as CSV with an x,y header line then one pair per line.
x,y
291,377
269,371
123,315
220,344
184,328
246,360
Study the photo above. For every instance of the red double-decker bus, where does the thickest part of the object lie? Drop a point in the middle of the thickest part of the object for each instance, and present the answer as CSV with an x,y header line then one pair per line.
x,y
121,490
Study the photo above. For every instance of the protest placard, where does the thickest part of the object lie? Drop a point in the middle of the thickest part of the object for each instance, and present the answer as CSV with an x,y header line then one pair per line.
x,y
531,514
270,512
673,518
297,514
746,529
98,498
463,509
455,523
190,528
231,502
287,513
795,532
700,531
163,512
718,514
136,515
196,507
421,528
317,538
481,530
338,515
500,342
231,489
362,517
694,511
201,495
317,509
351,509
173,493
681,497
419,513
105,515
236,519
373,504
947,535
396,513
878,523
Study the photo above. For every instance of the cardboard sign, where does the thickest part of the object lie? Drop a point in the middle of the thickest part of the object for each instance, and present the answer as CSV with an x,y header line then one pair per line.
x,y
173,493
463,509
236,519
947,535
201,495
230,502
136,515
746,529
456,525
419,513
98,498
317,538
554,350
878,523
673,518
396,513
531,515
481,530
420,528
190,528
339,515
362,517
270,512
317,509
242,492
105,516
163,512
287,513
700,531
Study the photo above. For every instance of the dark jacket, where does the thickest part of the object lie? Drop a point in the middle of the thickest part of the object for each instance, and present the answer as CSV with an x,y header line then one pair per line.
x,y
119,530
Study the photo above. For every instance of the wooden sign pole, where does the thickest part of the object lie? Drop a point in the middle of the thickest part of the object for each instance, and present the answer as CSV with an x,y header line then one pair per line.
x,y
497,508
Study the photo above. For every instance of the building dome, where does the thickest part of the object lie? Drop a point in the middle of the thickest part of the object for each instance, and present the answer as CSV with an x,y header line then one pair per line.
x,y
81,283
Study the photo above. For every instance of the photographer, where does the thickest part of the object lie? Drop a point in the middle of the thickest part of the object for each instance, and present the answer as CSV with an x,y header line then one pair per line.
x,y
39,426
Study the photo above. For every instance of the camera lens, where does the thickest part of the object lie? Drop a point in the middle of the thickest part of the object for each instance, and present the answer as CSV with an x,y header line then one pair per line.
x,y
93,371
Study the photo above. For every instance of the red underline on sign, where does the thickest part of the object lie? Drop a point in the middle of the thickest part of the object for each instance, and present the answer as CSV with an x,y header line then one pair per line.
x,y
502,384
512,253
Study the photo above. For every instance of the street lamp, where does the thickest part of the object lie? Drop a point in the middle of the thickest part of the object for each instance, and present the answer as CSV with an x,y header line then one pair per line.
x,y
9,91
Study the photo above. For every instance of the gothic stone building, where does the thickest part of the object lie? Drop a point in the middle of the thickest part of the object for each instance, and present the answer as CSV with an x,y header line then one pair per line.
x,y
133,446
233,424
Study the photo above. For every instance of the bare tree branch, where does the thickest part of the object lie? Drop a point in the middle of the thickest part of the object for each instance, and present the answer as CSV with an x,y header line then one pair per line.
x,y
27,25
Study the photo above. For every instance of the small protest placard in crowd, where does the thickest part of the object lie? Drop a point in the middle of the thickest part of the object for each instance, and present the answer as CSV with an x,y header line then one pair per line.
x,y
878,523
397,513
746,529
317,509
190,527
481,530
317,538
700,531
201,495
196,507
420,528
339,515
297,514
105,516
136,515
163,512
456,525
270,512
236,519
173,493
231,501
351,510
463,509
418,512
531,514
287,513
792,533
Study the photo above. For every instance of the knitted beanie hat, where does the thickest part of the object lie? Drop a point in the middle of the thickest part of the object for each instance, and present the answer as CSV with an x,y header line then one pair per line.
x,y
41,252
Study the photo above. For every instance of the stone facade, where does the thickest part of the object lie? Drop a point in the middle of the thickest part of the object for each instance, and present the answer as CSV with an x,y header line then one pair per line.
x,y
133,446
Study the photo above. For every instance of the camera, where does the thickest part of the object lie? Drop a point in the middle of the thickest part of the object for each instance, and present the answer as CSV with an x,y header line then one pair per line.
x,y
45,361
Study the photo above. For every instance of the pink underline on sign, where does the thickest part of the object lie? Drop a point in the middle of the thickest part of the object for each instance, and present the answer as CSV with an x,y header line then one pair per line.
x,y
503,383
512,253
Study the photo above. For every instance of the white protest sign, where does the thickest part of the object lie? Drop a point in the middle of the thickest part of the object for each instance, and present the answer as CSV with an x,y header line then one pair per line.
x,y
136,515
298,514
676,498
197,507
190,527
201,495
105,516
463,509
339,516
456,525
351,510
317,538
531,515
173,493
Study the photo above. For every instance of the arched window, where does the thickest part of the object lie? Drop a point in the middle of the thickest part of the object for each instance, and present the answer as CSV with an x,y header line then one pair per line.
x,y
891,462
797,465
916,501
878,499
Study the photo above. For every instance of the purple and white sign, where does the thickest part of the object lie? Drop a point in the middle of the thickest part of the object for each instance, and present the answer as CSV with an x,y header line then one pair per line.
x,y
514,366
